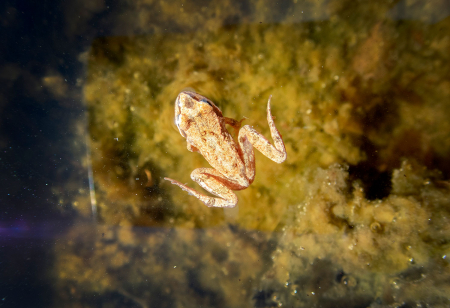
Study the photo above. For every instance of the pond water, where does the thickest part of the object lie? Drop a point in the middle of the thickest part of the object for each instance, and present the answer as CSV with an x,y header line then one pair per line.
x,y
357,215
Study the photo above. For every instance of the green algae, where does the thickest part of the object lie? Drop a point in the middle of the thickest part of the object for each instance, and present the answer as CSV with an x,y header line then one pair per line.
x,y
359,209
139,112
330,109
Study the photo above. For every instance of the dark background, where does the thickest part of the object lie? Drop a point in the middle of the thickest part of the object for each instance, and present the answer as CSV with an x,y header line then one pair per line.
x,y
36,144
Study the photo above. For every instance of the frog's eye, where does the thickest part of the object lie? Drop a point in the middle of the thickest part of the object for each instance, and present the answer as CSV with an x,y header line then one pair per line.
x,y
204,100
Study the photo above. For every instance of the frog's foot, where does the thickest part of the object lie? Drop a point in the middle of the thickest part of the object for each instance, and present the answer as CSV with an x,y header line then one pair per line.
x,y
189,190
215,183
249,137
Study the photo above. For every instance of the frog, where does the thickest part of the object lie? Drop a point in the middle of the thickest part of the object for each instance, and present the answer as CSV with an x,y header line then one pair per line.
x,y
203,126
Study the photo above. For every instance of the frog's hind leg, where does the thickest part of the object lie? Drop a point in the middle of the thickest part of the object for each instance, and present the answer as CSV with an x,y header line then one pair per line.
x,y
249,137
215,183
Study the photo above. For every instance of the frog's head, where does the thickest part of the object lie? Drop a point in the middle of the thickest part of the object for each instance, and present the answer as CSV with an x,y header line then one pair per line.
x,y
190,105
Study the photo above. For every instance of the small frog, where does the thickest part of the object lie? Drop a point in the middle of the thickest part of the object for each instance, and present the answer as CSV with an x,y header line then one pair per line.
x,y
201,122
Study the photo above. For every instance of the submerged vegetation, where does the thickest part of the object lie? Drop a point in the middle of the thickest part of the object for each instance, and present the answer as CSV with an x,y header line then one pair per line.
x,y
357,215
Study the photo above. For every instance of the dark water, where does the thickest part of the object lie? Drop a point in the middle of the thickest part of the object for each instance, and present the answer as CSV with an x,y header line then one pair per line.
x,y
36,147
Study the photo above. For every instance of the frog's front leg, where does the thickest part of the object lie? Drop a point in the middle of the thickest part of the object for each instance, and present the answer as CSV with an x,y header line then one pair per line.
x,y
233,123
214,182
249,138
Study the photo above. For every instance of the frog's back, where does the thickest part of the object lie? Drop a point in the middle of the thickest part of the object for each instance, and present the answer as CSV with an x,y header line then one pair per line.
x,y
208,134
221,152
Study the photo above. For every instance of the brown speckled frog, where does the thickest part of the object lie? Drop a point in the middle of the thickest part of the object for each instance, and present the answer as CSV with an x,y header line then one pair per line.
x,y
201,122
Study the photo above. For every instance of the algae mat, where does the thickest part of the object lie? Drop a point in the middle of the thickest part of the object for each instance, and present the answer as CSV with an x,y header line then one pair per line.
x,y
357,215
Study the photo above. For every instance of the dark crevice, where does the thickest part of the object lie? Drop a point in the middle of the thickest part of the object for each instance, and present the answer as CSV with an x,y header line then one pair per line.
x,y
376,184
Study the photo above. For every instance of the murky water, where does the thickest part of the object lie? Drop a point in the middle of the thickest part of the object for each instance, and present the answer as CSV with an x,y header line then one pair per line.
x,y
357,216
